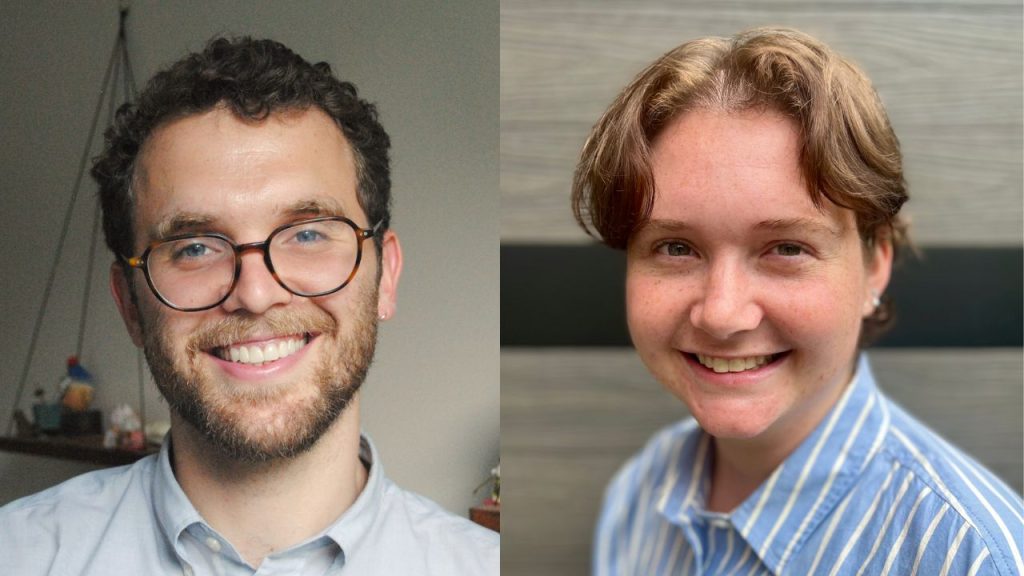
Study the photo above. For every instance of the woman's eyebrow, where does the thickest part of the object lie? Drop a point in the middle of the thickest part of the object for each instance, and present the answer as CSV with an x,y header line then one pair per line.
x,y
799,225
665,225
775,224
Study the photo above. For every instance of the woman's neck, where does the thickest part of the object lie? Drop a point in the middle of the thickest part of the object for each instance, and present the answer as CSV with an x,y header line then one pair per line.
x,y
741,465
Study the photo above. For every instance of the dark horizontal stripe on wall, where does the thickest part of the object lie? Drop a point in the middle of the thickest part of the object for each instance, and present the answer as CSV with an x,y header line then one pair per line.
x,y
949,297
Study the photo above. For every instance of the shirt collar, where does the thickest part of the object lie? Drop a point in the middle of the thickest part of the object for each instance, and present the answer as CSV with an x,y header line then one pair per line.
x,y
780,515
175,512
173,509
351,528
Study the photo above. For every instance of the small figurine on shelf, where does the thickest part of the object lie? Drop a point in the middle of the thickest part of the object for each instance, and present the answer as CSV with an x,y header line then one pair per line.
x,y
76,388
125,430
77,392
47,415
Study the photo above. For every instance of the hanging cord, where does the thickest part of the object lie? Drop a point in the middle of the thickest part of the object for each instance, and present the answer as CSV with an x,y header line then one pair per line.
x,y
91,260
36,329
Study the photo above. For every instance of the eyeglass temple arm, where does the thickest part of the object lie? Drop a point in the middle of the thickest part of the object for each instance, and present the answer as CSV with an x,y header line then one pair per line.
x,y
132,261
371,232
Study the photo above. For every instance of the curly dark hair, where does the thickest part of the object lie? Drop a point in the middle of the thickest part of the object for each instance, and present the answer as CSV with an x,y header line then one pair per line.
x,y
253,79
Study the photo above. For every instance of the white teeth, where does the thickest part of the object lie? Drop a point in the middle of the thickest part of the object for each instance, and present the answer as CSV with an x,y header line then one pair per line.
x,y
270,353
260,353
721,365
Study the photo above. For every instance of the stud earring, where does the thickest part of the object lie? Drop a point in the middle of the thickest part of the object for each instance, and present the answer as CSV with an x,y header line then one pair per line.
x,y
876,300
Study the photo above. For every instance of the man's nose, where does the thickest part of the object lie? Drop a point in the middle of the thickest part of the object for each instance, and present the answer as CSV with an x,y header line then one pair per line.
x,y
727,305
256,290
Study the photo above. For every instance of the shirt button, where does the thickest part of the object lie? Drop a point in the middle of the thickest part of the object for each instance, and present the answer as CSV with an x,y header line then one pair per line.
x,y
213,544
187,571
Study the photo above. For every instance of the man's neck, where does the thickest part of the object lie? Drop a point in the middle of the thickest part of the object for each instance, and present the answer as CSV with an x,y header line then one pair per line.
x,y
264,508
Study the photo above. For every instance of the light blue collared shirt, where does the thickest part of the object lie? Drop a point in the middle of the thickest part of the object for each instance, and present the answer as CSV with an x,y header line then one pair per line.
x,y
870,491
136,520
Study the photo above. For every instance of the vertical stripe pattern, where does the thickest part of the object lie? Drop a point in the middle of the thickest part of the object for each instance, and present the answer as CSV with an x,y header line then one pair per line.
x,y
870,491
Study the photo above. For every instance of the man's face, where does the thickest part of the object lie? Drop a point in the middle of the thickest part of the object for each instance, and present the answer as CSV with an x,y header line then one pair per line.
x,y
215,173
744,299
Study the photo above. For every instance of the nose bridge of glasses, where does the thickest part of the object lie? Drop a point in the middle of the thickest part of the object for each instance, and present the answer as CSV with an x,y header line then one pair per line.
x,y
263,247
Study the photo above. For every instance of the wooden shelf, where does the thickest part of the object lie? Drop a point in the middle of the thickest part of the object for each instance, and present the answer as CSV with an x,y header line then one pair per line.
x,y
487,515
81,448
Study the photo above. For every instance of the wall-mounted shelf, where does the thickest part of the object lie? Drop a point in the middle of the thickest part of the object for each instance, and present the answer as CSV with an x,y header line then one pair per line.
x,y
486,515
81,448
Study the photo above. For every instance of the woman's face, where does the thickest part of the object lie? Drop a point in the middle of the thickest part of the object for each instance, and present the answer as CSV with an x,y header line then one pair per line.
x,y
744,299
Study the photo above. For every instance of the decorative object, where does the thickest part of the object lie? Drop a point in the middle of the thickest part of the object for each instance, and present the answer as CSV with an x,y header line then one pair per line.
x,y
488,514
125,430
77,395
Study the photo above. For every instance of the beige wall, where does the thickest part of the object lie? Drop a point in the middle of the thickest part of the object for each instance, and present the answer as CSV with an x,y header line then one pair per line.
x,y
431,400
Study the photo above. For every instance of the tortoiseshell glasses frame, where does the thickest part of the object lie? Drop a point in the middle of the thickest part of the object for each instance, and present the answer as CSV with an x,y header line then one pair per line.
x,y
193,270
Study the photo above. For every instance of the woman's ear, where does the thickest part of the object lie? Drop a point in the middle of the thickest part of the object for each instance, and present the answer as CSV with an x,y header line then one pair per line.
x,y
878,262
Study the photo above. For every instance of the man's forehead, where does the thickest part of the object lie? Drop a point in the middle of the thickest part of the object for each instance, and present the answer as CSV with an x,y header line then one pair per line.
x,y
214,168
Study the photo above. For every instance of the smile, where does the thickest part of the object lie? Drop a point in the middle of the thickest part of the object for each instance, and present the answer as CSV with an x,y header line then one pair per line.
x,y
262,352
722,365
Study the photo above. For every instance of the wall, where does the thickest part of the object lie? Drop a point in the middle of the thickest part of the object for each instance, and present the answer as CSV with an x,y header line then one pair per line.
x,y
431,400
575,399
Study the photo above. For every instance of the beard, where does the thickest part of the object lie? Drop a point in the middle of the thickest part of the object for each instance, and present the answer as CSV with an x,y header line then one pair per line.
x,y
259,424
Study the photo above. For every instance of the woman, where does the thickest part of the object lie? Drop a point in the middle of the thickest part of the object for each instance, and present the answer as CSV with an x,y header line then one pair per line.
x,y
755,184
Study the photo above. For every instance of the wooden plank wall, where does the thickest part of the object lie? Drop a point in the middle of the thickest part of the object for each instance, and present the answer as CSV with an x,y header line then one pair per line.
x,y
950,74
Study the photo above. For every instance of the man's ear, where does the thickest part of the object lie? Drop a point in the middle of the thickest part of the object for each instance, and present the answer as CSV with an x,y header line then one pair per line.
x,y
391,270
126,305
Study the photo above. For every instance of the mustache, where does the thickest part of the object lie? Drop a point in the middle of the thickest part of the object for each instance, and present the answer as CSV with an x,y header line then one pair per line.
x,y
245,326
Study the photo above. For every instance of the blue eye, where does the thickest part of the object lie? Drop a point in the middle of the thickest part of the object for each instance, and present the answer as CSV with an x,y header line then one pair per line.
x,y
192,251
789,250
675,249
308,235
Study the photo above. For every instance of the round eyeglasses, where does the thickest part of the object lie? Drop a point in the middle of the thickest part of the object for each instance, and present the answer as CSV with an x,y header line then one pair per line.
x,y
194,272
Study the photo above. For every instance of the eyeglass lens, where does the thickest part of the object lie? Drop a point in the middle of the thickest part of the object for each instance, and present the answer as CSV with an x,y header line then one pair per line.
x,y
308,258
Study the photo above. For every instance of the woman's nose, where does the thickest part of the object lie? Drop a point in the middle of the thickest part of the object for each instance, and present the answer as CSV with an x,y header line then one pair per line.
x,y
727,305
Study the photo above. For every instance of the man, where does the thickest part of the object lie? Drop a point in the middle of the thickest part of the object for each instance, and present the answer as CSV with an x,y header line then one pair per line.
x,y
755,184
246,197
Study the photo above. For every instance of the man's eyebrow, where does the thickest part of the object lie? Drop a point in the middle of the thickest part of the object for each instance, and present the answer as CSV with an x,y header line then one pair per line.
x,y
798,224
182,223
315,207
190,222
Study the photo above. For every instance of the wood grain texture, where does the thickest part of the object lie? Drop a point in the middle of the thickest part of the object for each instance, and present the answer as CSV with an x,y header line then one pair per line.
x,y
571,417
950,75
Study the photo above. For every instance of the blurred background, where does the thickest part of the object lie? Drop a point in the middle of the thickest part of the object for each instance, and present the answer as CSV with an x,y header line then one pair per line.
x,y
576,402
431,400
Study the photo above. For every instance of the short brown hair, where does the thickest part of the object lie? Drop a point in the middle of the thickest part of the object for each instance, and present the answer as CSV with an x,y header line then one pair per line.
x,y
849,154
253,79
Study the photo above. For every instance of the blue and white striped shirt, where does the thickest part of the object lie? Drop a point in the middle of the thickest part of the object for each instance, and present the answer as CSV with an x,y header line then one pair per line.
x,y
870,491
